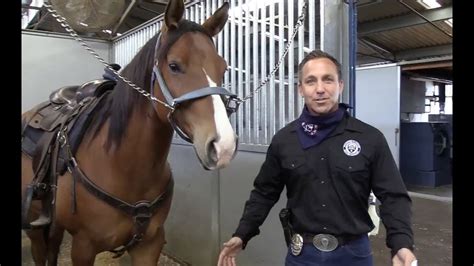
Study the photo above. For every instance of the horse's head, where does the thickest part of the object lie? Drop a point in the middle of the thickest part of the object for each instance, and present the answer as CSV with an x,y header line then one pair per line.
x,y
188,74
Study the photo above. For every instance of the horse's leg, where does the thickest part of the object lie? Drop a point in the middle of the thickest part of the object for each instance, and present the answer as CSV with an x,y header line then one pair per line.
x,y
38,246
82,251
148,252
53,246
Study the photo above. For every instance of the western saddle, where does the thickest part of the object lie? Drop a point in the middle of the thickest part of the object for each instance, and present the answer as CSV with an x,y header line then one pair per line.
x,y
56,123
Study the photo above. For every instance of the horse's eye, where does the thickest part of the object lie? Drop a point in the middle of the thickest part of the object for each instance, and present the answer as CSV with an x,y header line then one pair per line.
x,y
174,67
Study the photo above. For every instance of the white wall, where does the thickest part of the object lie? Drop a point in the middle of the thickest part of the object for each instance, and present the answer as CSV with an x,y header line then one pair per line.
x,y
378,101
50,61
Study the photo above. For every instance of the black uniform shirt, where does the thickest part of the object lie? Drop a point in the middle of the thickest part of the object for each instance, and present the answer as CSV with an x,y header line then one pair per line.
x,y
328,185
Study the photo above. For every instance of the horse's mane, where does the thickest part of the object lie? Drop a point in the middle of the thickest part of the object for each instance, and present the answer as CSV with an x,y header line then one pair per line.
x,y
122,100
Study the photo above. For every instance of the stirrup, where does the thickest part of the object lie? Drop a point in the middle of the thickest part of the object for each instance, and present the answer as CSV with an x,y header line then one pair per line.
x,y
45,217
42,221
26,207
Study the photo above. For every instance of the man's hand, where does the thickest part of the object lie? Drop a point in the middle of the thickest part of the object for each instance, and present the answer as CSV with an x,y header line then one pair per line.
x,y
404,257
230,250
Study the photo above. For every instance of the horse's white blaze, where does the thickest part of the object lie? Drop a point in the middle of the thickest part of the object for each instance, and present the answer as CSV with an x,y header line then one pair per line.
x,y
225,144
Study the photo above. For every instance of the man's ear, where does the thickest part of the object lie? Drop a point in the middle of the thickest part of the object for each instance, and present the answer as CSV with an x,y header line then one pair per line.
x,y
300,89
341,86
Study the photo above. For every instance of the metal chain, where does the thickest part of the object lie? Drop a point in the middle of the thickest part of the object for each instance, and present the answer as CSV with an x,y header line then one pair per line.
x,y
62,21
287,48
73,33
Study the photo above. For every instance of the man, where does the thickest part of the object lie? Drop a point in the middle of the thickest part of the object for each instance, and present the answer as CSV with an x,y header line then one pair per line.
x,y
329,163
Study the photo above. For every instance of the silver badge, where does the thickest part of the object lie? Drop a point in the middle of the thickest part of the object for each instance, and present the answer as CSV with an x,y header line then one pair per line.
x,y
296,244
351,147
325,242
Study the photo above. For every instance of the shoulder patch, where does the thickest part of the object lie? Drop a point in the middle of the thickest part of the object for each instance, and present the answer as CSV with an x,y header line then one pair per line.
x,y
351,147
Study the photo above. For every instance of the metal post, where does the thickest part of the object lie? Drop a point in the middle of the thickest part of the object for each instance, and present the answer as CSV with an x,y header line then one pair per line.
x,y
334,36
352,53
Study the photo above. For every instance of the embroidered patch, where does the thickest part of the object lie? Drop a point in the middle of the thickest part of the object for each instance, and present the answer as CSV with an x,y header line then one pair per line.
x,y
351,147
310,129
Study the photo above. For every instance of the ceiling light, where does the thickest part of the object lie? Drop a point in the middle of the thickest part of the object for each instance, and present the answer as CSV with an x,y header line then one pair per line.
x,y
429,4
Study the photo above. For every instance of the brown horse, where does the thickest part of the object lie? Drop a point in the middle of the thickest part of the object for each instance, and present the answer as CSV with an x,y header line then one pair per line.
x,y
125,148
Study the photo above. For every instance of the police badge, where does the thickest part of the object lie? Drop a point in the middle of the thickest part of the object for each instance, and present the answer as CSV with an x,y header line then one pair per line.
x,y
296,244
351,147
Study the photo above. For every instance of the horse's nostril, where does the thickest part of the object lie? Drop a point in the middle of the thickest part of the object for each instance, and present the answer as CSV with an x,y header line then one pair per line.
x,y
211,150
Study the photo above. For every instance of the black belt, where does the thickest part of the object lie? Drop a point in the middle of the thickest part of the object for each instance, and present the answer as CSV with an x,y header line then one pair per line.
x,y
342,239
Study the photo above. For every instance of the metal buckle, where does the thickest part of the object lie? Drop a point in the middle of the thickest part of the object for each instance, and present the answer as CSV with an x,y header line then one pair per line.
x,y
232,104
142,209
325,242
296,244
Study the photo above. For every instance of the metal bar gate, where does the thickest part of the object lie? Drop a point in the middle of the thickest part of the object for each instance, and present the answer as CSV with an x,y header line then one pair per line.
x,y
252,42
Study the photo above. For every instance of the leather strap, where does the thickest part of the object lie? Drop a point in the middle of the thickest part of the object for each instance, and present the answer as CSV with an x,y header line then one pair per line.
x,y
137,208
342,240
141,211
37,109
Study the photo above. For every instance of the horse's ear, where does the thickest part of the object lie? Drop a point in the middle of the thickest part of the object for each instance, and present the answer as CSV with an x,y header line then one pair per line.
x,y
174,12
216,22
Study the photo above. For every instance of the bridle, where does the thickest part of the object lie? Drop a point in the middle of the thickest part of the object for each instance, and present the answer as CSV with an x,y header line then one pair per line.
x,y
231,102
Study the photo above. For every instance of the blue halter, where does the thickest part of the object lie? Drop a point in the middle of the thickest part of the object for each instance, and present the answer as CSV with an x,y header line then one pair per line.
x,y
231,102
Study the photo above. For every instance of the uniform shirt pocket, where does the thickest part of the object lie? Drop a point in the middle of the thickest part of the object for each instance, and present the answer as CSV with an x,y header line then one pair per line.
x,y
293,163
356,170
295,169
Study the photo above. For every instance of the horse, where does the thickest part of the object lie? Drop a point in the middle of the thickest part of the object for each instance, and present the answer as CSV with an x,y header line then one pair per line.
x,y
117,189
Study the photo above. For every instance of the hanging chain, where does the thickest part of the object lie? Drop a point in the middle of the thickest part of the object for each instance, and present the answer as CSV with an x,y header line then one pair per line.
x,y
73,33
62,21
287,48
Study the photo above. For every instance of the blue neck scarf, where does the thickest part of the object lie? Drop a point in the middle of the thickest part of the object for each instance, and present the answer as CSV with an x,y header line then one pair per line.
x,y
313,129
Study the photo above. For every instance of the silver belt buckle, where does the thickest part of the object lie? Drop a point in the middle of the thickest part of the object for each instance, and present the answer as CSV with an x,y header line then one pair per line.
x,y
325,242
296,244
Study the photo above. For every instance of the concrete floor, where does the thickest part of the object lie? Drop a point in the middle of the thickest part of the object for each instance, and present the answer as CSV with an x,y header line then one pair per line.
x,y
441,191
432,226
102,259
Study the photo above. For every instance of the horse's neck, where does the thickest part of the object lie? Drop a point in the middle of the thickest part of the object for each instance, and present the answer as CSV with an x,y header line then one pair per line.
x,y
146,142
140,161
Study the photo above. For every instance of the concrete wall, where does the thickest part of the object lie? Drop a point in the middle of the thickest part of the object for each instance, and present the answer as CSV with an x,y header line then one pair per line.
x,y
207,207
188,227
50,61
236,182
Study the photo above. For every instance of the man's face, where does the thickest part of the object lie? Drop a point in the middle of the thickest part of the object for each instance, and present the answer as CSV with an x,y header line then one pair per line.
x,y
320,86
